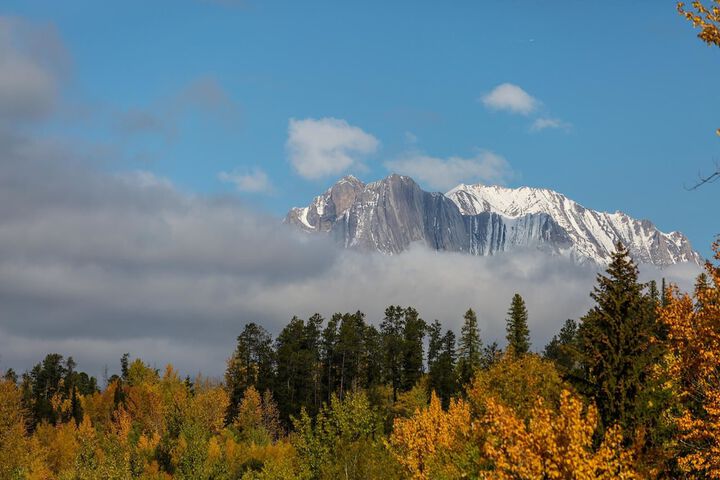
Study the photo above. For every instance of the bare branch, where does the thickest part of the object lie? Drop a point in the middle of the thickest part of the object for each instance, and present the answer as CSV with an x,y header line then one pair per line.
x,y
702,180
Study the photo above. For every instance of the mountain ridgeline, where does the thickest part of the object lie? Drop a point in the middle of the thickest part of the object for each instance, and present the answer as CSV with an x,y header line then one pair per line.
x,y
390,214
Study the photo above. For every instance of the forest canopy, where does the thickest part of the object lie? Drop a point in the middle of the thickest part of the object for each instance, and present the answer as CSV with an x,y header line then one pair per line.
x,y
629,390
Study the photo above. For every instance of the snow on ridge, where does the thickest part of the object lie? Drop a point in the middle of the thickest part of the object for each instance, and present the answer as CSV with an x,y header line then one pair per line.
x,y
593,233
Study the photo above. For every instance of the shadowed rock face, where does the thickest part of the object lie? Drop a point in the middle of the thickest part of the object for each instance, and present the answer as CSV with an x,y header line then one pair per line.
x,y
390,214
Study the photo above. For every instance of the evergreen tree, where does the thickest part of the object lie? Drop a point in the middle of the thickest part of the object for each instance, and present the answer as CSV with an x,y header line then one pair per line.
x,y
563,349
616,348
391,329
313,341
373,358
442,373
124,362
349,350
413,337
328,355
469,348
435,342
518,333
663,294
293,382
252,364
10,376
491,354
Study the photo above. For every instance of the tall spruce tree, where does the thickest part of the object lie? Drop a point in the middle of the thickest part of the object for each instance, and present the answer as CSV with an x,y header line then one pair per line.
x,y
251,364
328,355
442,373
372,372
391,329
616,350
562,350
469,348
413,338
297,378
518,333
349,351
435,338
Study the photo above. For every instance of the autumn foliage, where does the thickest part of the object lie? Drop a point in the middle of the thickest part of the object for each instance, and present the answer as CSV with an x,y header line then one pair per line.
x,y
694,337
348,411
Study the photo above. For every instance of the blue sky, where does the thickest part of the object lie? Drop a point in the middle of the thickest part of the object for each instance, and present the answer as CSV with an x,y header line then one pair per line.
x,y
189,90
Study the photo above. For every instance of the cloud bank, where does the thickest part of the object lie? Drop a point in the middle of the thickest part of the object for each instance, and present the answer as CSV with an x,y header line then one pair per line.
x,y
325,147
93,265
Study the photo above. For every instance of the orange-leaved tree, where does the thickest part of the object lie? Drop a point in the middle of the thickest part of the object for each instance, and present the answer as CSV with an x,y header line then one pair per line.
x,y
694,338
553,444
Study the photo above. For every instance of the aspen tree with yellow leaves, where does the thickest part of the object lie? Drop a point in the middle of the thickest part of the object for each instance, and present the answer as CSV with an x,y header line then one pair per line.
x,y
693,324
431,433
553,444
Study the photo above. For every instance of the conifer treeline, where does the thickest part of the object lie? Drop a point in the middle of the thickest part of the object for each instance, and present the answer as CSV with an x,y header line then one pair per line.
x,y
343,397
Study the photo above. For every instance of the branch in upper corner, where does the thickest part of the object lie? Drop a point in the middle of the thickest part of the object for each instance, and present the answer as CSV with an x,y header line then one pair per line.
x,y
707,179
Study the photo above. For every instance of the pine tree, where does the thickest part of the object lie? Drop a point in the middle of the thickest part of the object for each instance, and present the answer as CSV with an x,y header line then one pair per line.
x,y
349,350
328,355
413,337
442,373
616,348
313,341
372,371
491,354
563,351
469,349
391,329
252,364
435,339
296,362
518,333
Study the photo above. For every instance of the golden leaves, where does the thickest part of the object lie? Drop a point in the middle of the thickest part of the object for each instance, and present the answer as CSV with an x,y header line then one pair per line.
x,y
694,340
417,440
552,445
707,19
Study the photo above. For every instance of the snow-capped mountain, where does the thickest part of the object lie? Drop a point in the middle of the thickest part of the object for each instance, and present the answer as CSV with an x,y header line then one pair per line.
x,y
390,214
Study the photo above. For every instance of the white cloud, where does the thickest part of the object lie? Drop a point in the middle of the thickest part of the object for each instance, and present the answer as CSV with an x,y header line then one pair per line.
x,y
255,181
543,123
510,98
443,174
329,146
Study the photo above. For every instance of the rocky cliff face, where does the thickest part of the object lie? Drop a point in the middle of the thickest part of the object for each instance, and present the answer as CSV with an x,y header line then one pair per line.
x,y
392,213
592,234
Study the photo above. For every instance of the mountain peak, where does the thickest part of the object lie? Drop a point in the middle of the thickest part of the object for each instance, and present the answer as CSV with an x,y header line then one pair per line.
x,y
389,214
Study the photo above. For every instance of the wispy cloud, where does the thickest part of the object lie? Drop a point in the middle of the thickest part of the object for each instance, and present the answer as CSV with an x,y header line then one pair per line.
x,y
510,98
445,173
328,146
255,181
204,96
32,61
544,123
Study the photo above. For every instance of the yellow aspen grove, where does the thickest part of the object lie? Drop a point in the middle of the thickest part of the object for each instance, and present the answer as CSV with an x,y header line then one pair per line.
x,y
552,445
694,337
13,444
416,441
